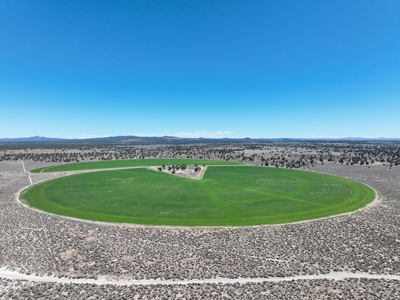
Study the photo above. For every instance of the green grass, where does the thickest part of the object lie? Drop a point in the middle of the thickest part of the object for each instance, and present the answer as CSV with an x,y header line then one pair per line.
x,y
107,164
226,196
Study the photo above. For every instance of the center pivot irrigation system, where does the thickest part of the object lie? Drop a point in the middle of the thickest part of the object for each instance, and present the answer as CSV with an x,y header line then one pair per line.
x,y
150,192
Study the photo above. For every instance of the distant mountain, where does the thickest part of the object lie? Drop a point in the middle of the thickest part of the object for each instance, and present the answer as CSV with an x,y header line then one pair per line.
x,y
31,139
155,139
355,139
369,139
132,139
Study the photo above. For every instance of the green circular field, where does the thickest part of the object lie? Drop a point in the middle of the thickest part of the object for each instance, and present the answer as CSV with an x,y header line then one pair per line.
x,y
225,196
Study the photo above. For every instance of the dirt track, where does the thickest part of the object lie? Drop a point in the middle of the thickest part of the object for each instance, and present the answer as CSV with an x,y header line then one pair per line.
x,y
5,274
365,242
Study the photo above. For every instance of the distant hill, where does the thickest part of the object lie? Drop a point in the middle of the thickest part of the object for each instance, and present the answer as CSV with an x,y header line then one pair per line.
x,y
153,139
131,139
31,139
369,139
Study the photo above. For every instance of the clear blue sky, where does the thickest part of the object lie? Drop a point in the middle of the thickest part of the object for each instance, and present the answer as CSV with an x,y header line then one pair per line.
x,y
271,68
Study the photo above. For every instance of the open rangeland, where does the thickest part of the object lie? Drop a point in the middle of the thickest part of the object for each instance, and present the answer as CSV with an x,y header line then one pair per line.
x,y
226,195
67,255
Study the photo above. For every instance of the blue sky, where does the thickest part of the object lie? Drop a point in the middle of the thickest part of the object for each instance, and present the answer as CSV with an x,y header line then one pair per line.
x,y
282,68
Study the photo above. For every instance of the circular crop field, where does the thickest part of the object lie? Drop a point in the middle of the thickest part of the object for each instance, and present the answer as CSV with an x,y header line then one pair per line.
x,y
225,196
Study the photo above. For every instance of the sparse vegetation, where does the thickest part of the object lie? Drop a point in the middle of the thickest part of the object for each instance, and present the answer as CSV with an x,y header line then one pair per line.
x,y
366,241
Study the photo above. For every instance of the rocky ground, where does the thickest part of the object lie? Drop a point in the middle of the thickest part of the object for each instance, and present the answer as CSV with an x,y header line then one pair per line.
x,y
367,241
